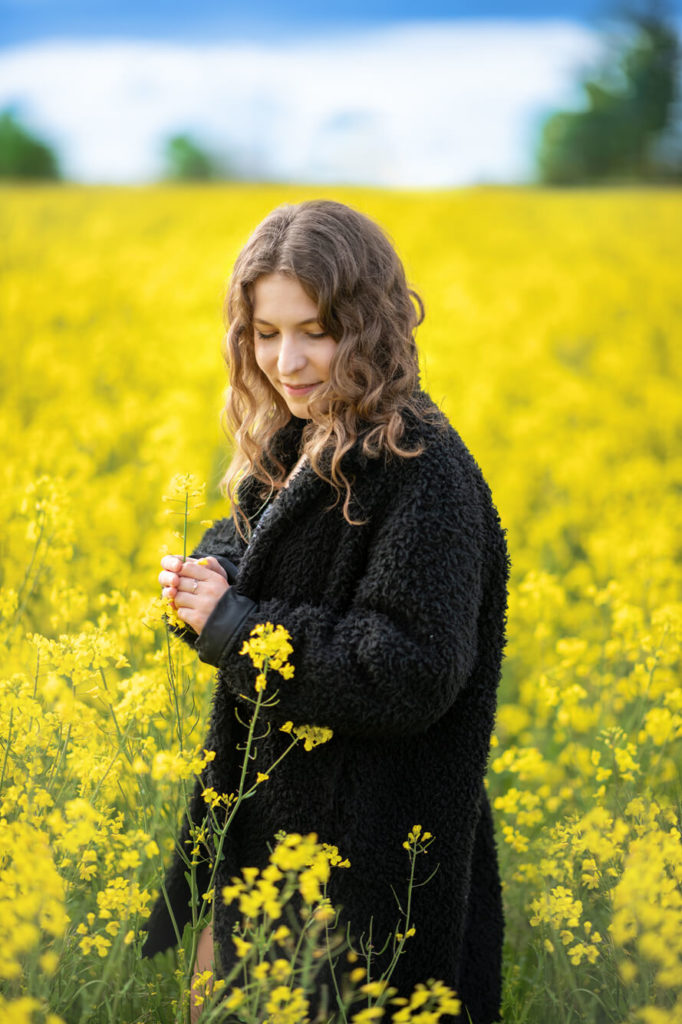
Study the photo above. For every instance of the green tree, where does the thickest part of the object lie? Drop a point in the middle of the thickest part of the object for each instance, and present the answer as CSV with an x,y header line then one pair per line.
x,y
628,112
186,160
22,155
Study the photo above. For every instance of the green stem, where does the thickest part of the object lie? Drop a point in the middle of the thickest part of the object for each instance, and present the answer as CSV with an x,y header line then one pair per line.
x,y
203,913
7,746
27,574
35,688
339,1000
184,532
194,948
113,761
275,763
174,689
401,943
61,758
413,860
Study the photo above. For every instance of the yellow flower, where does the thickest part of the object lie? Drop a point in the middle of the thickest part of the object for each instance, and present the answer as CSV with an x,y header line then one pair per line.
x,y
286,1006
368,1015
242,947
586,768
185,487
268,648
235,999
374,988
417,840
49,962
312,735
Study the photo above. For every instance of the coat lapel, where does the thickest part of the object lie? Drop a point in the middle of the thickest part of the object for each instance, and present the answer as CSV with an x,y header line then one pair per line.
x,y
304,487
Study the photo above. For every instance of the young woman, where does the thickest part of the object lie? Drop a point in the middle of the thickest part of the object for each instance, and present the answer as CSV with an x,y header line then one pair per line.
x,y
362,524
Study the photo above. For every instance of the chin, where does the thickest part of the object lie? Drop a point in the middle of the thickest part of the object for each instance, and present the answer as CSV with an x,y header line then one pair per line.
x,y
300,410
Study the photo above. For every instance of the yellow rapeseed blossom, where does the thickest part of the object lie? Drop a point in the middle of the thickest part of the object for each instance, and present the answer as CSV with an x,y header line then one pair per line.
x,y
368,1015
286,1006
185,488
565,386
427,1004
418,840
180,765
312,735
269,648
32,895
23,1011
297,863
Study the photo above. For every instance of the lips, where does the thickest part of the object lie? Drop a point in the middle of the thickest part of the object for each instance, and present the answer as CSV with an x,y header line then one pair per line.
x,y
299,389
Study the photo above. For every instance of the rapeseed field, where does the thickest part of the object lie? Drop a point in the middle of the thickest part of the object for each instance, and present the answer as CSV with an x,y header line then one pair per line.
x,y
553,341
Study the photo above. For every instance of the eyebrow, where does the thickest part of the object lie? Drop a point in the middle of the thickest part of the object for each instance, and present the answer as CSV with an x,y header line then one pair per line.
x,y
302,323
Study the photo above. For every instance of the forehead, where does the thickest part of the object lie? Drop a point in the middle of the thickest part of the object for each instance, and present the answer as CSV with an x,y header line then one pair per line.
x,y
282,296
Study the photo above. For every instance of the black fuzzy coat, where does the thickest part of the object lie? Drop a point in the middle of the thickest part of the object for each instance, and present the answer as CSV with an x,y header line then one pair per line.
x,y
398,632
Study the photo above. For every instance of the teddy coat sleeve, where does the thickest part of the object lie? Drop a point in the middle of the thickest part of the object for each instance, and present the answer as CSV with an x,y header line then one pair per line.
x,y
396,659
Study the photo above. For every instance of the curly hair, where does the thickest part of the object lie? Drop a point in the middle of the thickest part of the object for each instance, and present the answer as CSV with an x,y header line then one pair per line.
x,y
349,268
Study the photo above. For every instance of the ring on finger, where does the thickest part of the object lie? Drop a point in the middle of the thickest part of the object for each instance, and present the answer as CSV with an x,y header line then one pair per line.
x,y
195,586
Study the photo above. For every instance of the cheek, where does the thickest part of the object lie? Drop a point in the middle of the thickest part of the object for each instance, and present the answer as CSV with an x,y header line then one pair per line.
x,y
261,355
325,358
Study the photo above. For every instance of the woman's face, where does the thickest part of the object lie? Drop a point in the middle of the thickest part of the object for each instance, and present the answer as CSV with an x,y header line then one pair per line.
x,y
291,346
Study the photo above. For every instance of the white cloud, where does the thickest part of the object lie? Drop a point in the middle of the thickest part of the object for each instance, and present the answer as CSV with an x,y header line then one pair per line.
x,y
423,104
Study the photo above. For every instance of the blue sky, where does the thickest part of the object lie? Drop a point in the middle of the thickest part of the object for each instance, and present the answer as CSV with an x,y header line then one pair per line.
x,y
24,21
364,92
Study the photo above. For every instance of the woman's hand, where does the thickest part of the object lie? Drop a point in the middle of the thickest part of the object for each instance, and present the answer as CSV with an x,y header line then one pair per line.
x,y
194,586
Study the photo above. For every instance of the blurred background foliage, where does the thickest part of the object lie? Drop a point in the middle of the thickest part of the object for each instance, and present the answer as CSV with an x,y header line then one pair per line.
x,y
628,130
22,154
185,159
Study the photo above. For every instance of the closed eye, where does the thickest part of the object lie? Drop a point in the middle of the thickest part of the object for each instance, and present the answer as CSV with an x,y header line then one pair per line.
x,y
263,336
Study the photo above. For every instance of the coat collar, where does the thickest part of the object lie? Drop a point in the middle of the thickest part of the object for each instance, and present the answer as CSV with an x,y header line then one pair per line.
x,y
305,487
285,446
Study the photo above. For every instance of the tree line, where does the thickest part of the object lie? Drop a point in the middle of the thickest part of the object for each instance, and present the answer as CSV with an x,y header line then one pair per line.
x,y
629,129
25,157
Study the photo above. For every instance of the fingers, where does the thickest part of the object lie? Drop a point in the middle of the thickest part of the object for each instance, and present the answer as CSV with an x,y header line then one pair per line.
x,y
196,598
172,562
214,565
175,570
180,581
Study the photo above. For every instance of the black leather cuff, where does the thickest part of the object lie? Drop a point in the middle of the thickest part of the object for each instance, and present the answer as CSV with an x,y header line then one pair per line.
x,y
222,626
229,567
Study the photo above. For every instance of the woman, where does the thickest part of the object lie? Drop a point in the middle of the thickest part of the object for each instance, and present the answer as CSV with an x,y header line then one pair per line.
x,y
361,524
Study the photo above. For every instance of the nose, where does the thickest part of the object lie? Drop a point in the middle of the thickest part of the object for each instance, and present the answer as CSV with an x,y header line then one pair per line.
x,y
291,356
